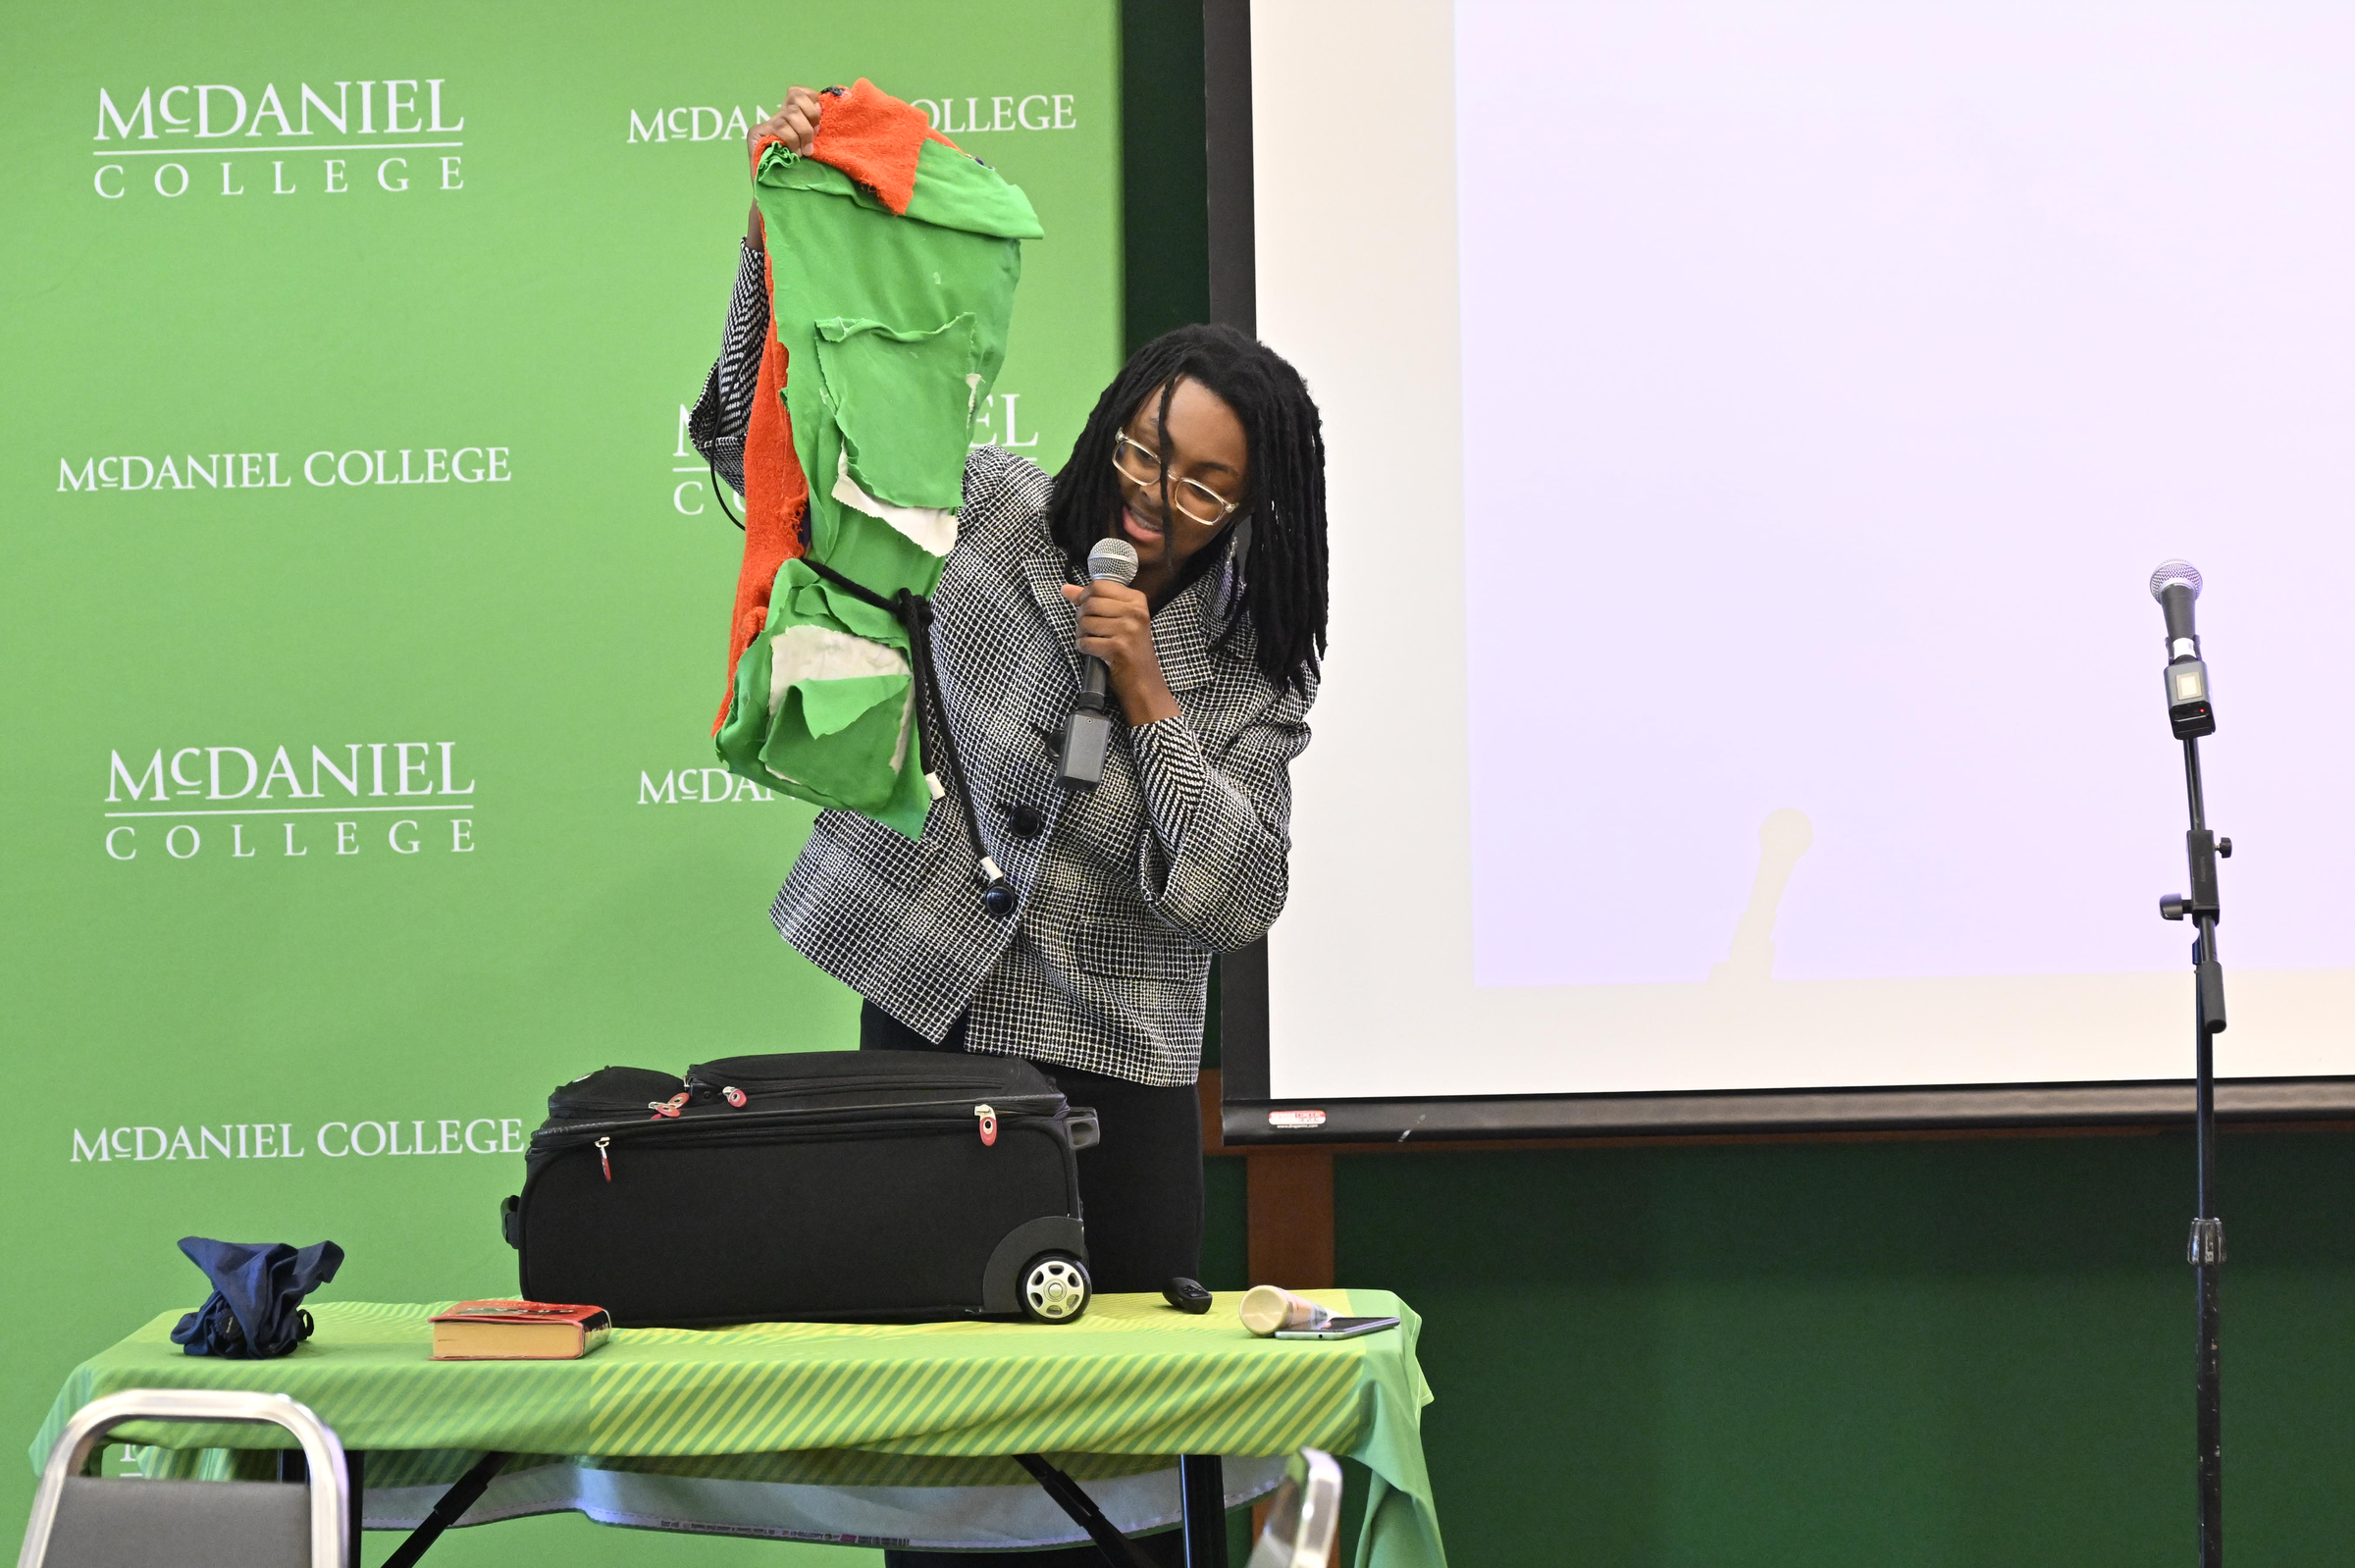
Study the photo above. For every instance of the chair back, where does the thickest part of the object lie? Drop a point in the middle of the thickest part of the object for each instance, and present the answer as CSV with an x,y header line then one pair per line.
x,y
80,1521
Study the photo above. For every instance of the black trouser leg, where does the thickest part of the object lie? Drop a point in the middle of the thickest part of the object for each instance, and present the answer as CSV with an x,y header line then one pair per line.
x,y
1140,1188
1141,1192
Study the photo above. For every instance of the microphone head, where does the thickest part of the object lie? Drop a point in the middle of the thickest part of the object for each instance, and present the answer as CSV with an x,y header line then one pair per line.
x,y
2174,574
1114,560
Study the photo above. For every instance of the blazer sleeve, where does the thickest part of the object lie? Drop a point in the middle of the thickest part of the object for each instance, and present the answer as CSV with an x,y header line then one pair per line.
x,y
1215,866
724,411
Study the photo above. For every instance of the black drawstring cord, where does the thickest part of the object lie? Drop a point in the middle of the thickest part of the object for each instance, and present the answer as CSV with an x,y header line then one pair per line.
x,y
720,493
702,429
916,614
913,612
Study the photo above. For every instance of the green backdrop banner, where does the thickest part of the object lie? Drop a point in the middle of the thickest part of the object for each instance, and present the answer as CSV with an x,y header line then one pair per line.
x,y
366,607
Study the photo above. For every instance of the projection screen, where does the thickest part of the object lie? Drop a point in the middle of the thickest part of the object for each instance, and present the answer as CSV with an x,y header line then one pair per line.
x,y
1750,428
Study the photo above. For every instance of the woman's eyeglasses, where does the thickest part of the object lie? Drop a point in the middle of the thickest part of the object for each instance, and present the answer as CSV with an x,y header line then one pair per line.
x,y
1142,467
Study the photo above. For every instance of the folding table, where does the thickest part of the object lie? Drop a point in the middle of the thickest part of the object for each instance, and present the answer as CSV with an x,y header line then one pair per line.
x,y
931,1436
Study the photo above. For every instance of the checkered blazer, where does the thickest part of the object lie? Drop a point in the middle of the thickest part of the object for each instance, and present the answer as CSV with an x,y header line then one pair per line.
x,y
1126,889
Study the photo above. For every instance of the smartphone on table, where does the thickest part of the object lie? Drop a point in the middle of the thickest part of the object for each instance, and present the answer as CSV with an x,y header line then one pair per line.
x,y
1339,1329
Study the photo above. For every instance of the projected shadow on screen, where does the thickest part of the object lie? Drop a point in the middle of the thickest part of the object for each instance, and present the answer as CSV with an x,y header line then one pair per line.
x,y
1783,838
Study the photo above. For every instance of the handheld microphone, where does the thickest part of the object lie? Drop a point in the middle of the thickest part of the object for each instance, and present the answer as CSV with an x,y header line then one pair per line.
x,y
2175,584
1087,733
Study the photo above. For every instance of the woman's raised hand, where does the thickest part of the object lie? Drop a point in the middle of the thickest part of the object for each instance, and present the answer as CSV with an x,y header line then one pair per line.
x,y
795,123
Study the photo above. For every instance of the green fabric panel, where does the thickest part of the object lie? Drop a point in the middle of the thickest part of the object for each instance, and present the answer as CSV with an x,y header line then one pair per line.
x,y
851,767
911,797
837,760
954,192
829,707
852,1403
737,742
739,736
904,405
867,551
835,255
782,171
813,601
831,741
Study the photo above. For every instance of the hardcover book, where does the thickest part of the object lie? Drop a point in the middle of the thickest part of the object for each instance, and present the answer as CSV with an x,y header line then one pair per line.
x,y
518,1330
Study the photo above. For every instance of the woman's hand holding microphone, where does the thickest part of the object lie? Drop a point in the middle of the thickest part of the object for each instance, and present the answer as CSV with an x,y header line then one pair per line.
x,y
1116,625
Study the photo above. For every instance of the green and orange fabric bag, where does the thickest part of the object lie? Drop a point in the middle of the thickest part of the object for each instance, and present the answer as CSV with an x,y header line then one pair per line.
x,y
892,259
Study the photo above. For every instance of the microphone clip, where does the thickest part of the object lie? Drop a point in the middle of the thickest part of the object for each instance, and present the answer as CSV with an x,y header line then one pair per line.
x,y
2188,713
1086,739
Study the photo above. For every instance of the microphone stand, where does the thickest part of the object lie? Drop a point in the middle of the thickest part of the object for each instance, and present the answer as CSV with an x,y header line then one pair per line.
x,y
2206,1252
2191,718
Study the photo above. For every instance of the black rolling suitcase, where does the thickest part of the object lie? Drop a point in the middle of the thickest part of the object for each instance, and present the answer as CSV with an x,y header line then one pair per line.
x,y
860,1185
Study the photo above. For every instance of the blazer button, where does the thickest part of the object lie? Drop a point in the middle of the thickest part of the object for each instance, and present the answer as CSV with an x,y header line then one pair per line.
x,y
1026,820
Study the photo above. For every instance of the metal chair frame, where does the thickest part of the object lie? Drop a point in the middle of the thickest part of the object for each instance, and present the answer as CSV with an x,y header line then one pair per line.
x,y
1309,1505
86,1432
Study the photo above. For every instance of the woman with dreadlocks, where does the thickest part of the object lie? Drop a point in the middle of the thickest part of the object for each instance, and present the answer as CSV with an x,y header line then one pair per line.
x,y
1205,455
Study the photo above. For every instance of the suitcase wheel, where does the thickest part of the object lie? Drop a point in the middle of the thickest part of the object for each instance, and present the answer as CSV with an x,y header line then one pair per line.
x,y
1054,1288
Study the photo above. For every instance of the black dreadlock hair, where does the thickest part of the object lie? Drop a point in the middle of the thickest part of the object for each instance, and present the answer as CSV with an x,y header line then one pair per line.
x,y
1284,500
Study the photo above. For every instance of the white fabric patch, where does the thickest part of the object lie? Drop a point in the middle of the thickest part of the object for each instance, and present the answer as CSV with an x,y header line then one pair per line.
x,y
932,528
822,653
899,752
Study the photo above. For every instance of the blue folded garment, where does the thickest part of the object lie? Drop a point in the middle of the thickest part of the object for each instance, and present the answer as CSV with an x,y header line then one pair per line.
x,y
255,1310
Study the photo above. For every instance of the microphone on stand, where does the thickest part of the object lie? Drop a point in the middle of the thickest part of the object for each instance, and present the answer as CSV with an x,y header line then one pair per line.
x,y
2175,585
1087,733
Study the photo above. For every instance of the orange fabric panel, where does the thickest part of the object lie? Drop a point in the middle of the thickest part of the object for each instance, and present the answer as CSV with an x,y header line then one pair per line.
x,y
775,495
874,138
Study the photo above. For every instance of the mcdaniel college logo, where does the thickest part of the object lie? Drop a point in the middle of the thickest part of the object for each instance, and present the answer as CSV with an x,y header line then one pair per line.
x,y
375,797
389,136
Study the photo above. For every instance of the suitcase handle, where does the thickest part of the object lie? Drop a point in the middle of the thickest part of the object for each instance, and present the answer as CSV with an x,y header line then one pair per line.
x,y
1086,1130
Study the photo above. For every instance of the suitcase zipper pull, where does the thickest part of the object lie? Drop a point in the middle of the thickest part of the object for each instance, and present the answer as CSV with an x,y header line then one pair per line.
x,y
989,1124
602,1160
666,1108
734,1097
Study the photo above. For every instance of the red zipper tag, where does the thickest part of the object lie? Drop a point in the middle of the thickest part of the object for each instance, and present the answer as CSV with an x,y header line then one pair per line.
x,y
602,1160
734,1097
989,1124
662,1107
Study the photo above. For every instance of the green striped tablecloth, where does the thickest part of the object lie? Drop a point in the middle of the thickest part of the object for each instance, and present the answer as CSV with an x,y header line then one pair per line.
x,y
881,1435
